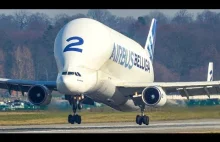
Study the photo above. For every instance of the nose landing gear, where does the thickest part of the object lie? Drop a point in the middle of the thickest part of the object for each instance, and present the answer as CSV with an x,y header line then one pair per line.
x,y
75,101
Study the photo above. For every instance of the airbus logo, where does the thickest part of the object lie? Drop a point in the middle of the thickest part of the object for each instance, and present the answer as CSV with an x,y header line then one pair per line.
x,y
71,46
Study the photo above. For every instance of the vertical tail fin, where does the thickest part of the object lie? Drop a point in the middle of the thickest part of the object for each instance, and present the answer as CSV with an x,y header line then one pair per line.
x,y
210,72
150,42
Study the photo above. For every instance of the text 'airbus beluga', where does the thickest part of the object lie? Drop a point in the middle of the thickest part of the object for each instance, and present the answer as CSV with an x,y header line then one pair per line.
x,y
98,64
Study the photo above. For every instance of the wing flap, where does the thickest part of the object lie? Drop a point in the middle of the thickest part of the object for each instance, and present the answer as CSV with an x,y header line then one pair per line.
x,y
199,91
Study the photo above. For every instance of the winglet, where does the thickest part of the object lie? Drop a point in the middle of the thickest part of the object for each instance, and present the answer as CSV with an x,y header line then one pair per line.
x,y
210,72
150,42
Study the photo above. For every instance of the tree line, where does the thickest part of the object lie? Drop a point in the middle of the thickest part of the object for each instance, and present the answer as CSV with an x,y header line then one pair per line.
x,y
185,43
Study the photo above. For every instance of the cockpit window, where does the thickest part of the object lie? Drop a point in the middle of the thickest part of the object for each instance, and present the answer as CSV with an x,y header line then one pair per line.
x,y
71,73
77,74
64,73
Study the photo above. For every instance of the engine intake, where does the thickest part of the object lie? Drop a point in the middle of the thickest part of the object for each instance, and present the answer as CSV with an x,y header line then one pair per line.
x,y
154,96
39,95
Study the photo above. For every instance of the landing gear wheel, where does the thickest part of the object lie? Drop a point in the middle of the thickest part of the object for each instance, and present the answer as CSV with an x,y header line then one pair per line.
x,y
78,119
76,104
71,119
145,120
137,118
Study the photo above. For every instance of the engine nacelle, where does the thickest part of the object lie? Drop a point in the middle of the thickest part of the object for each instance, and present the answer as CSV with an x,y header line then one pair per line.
x,y
154,96
39,95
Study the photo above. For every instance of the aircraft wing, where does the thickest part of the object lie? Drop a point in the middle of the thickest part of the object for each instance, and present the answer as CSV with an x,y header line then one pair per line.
x,y
24,85
185,89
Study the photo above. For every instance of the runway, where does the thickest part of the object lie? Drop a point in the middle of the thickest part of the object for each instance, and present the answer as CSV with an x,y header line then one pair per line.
x,y
180,126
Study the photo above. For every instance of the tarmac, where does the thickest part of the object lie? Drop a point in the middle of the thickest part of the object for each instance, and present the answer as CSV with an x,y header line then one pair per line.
x,y
179,126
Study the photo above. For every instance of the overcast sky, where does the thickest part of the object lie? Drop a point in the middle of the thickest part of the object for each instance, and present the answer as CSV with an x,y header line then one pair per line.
x,y
119,12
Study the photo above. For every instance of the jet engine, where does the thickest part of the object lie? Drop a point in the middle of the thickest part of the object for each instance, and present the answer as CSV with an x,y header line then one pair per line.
x,y
39,95
154,96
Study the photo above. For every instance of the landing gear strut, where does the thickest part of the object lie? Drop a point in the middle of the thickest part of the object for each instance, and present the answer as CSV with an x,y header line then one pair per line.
x,y
142,118
76,104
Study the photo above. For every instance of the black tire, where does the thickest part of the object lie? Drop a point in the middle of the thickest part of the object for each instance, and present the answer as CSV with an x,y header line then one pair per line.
x,y
70,118
140,120
73,120
148,120
78,119
137,118
145,120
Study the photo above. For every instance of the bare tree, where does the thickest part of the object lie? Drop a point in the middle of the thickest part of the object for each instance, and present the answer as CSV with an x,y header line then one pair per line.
x,y
23,65
183,17
103,16
38,21
21,18
161,18
7,23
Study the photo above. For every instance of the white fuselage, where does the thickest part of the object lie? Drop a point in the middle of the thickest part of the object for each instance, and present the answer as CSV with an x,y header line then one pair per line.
x,y
106,57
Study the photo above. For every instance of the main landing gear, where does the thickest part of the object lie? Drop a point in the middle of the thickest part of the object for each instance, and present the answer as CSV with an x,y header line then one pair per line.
x,y
142,118
76,104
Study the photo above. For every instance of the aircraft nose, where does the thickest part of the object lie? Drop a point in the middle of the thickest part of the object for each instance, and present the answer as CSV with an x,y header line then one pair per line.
x,y
72,84
68,84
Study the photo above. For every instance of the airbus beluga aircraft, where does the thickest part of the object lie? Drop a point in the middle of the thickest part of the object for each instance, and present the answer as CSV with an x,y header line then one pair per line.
x,y
98,64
